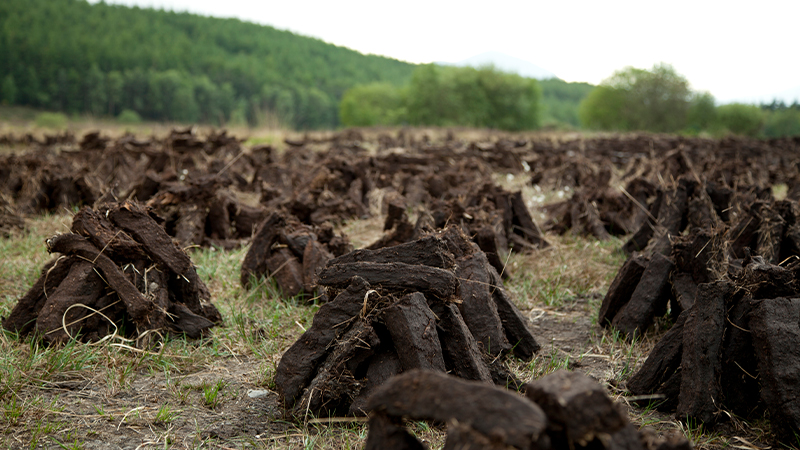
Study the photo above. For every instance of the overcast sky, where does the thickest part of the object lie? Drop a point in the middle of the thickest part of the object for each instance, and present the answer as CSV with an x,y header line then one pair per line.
x,y
737,50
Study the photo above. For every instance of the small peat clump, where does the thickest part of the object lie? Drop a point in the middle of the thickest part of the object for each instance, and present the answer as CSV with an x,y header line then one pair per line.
x,y
561,411
435,303
293,254
117,270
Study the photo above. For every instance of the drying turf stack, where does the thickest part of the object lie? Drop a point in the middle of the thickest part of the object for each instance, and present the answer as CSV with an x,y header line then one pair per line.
x,y
117,269
435,303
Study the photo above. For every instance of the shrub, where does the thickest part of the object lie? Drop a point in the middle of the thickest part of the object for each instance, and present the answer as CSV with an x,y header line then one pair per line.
x,y
372,104
485,97
741,119
51,120
636,99
129,117
785,122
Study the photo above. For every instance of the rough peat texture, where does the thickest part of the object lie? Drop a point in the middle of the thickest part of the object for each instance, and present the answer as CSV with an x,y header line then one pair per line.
x,y
118,257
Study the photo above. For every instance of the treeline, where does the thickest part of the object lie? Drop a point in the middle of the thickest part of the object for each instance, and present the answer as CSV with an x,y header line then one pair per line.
x,y
70,56
465,96
560,102
661,100
110,60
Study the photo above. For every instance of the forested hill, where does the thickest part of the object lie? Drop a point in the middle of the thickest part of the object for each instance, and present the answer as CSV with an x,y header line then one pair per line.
x,y
102,59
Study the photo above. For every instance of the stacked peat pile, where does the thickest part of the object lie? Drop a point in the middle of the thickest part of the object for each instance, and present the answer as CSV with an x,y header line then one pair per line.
x,y
736,349
699,231
118,269
732,345
495,218
203,212
596,209
435,303
561,411
648,166
293,254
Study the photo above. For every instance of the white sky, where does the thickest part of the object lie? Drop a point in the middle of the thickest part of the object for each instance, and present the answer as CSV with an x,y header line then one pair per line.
x,y
737,50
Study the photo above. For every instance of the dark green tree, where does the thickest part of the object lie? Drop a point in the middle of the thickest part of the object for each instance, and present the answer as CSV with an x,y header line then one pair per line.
x,y
464,96
8,90
372,104
604,109
741,119
702,113
655,100
560,102
782,122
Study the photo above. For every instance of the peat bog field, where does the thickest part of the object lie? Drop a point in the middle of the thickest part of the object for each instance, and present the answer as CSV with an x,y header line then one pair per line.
x,y
194,290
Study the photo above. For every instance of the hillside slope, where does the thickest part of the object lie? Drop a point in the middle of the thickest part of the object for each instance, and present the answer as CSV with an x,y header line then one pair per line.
x,y
75,57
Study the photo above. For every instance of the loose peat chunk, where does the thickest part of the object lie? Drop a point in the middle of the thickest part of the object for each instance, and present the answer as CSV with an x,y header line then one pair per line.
x,y
255,262
382,366
523,224
627,438
463,437
671,391
158,245
648,299
457,242
428,251
477,306
701,361
621,289
81,286
299,363
515,324
577,407
739,359
412,327
334,386
745,233
389,434
776,335
661,363
315,258
684,291
639,240
461,353
393,276
187,322
487,241
500,415
287,271
23,317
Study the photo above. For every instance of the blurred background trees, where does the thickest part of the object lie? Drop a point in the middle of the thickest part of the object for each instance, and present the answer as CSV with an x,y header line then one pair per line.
x,y
636,99
661,100
138,64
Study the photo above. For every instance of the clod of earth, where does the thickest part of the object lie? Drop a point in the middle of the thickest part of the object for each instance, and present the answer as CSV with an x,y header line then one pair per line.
x,y
118,269
563,410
